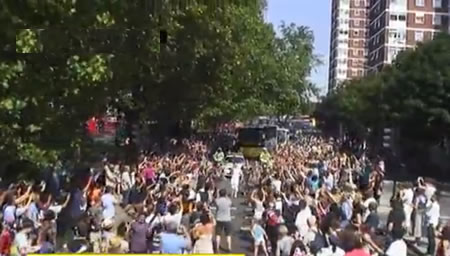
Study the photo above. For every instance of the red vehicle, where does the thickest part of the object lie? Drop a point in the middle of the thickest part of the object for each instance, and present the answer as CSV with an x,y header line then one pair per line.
x,y
105,125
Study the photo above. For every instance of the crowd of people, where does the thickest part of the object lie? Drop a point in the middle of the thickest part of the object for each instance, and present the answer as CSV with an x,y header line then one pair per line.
x,y
306,198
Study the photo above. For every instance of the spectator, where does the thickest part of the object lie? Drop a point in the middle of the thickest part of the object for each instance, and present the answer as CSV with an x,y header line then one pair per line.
x,y
223,218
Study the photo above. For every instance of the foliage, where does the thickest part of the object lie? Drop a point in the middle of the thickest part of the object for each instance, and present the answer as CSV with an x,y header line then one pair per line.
x,y
71,59
412,95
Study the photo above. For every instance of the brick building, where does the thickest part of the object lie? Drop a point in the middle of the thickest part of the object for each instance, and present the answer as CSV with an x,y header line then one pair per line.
x,y
392,26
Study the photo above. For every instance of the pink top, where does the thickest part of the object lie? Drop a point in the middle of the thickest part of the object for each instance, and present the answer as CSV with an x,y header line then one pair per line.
x,y
149,173
357,252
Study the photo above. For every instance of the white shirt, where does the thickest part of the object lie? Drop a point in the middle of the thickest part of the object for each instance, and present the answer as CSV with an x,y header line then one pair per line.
x,y
433,213
429,191
236,174
279,205
397,248
408,198
172,218
381,165
277,185
126,180
301,221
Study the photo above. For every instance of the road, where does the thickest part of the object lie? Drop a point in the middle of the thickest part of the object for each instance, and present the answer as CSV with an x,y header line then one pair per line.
x,y
242,241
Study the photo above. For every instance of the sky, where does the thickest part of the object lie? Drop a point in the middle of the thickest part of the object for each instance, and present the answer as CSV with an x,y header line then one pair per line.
x,y
314,14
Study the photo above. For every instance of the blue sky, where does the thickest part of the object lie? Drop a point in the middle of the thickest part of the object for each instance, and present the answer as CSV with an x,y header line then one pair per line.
x,y
312,13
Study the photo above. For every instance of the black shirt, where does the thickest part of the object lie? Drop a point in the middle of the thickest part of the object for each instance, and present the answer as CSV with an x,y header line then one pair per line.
x,y
137,195
373,221
396,217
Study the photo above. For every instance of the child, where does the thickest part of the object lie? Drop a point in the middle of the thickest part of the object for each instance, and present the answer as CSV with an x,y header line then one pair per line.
x,y
259,236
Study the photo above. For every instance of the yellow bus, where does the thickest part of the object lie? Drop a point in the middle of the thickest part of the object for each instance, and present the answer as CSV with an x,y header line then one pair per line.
x,y
251,141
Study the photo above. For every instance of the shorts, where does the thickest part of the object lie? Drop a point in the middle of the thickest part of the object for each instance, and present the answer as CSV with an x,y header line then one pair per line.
x,y
223,226
260,242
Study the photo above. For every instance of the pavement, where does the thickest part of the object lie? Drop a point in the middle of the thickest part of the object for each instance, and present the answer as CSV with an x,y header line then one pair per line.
x,y
444,201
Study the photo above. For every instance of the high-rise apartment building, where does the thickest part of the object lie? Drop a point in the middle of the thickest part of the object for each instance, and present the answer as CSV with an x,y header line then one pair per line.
x,y
396,25
348,47
392,26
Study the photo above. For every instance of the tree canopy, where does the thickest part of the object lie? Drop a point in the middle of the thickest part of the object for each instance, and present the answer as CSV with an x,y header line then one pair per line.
x,y
412,95
68,60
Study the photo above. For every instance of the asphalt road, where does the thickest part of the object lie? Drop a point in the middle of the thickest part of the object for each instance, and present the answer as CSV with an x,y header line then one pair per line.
x,y
241,239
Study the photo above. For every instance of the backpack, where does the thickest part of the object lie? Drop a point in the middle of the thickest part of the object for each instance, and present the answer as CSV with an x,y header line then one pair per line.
x,y
272,219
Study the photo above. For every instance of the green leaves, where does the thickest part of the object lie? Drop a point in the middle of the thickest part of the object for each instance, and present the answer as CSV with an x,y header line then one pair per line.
x,y
220,63
413,95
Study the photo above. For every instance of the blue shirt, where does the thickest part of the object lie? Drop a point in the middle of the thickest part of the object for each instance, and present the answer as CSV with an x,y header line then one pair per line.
x,y
9,214
173,243
109,210
76,203
258,232
33,213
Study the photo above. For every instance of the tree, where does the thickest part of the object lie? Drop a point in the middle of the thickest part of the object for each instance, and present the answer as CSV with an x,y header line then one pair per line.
x,y
411,95
77,57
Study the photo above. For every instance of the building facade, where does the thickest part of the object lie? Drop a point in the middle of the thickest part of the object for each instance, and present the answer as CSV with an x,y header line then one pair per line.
x,y
392,26
396,25
348,47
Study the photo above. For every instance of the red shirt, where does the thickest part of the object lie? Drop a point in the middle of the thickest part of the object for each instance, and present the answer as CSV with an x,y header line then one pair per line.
x,y
357,252
5,242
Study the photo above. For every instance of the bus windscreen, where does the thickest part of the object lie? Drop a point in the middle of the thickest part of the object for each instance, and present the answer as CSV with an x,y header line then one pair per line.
x,y
251,137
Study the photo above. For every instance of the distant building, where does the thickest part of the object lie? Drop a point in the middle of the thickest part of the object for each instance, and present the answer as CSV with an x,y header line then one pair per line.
x,y
348,41
396,25
368,34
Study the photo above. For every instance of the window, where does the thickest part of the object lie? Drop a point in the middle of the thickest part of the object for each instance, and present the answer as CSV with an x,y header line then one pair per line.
x,y
420,18
357,23
342,52
418,36
420,3
355,32
357,12
437,3
402,17
360,73
356,3
360,53
437,20
394,17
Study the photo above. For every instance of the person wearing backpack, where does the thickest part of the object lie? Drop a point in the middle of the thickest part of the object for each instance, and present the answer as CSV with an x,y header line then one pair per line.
x,y
272,225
